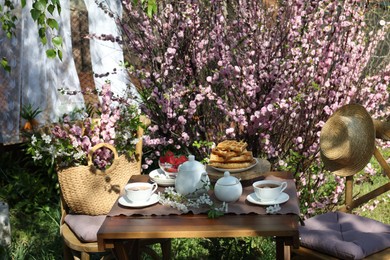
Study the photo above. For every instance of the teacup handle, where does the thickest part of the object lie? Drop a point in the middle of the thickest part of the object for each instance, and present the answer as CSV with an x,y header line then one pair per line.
x,y
284,186
155,186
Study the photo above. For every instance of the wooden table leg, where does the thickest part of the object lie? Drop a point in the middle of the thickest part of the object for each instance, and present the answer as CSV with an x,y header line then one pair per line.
x,y
122,249
282,250
287,252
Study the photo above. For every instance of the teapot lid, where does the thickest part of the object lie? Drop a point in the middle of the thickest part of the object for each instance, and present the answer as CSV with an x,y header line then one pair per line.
x,y
191,165
227,180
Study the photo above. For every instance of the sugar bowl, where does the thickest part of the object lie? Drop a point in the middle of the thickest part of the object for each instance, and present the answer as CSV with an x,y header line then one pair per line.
x,y
228,188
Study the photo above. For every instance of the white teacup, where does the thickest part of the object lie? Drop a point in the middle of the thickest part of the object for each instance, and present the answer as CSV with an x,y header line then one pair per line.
x,y
140,191
268,190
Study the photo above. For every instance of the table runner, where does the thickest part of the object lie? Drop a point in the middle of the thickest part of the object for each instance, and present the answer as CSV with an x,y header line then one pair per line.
x,y
242,206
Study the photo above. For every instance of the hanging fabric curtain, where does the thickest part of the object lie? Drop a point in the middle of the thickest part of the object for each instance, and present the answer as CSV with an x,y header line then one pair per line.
x,y
106,56
35,79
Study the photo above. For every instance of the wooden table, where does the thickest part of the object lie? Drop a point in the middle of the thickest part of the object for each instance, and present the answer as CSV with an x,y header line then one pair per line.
x,y
115,230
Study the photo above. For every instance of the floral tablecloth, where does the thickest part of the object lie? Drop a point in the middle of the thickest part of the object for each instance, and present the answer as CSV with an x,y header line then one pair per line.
x,y
242,206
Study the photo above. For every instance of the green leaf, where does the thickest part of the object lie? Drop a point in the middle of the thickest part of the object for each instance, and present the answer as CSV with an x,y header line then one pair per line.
x,y
4,64
44,40
42,32
23,3
51,9
57,41
213,213
51,53
35,14
40,5
52,23
152,8
59,52
42,20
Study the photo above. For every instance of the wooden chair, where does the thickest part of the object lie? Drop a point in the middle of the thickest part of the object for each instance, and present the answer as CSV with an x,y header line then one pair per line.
x,y
349,204
321,227
74,248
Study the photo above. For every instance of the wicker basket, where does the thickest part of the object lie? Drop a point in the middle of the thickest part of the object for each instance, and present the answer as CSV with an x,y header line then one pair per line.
x,y
89,191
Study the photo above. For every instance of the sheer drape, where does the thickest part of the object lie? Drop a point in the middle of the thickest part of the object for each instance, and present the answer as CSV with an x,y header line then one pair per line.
x,y
35,79
106,55
10,85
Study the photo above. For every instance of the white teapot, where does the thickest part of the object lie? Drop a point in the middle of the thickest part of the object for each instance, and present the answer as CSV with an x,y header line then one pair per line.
x,y
192,178
228,188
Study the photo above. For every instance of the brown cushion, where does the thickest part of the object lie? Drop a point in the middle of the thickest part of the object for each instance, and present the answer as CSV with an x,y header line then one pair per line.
x,y
85,227
343,235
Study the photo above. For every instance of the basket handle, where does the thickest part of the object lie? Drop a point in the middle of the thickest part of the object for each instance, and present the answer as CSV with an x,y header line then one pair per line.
x,y
98,146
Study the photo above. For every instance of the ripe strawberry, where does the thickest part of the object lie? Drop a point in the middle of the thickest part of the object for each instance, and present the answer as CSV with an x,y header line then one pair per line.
x,y
171,169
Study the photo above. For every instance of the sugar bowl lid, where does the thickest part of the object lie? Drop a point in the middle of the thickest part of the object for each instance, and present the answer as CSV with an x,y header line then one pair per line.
x,y
227,180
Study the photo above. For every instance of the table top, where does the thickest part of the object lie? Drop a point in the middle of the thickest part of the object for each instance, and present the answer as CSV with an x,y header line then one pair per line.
x,y
197,225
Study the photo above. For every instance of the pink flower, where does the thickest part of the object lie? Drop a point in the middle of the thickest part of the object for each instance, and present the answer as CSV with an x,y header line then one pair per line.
x,y
171,51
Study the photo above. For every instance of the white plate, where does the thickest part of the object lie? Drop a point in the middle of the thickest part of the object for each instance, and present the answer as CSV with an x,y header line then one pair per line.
x,y
127,203
159,177
283,197
255,161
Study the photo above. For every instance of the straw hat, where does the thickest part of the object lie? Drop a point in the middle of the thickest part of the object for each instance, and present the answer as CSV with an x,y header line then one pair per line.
x,y
347,140
382,130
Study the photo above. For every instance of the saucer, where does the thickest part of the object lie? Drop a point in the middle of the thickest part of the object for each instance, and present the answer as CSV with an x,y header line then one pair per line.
x,y
283,197
127,203
159,177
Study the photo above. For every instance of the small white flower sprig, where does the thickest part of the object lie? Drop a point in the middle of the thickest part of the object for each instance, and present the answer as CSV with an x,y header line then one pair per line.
x,y
273,209
175,200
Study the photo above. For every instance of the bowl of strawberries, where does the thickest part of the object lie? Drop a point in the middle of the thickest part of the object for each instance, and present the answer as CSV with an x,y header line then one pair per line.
x,y
170,162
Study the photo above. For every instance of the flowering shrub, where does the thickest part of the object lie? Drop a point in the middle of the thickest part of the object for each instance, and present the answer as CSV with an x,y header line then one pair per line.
x,y
211,70
68,142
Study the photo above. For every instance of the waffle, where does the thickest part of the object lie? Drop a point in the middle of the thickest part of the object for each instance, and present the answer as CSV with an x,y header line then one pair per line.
x,y
244,157
232,145
231,165
231,154
225,154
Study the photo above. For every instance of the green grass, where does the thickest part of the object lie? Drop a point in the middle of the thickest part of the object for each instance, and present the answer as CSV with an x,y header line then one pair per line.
x,y
380,203
35,236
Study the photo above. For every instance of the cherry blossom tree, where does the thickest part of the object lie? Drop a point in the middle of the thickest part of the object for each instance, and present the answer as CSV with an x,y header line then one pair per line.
x,y
211,70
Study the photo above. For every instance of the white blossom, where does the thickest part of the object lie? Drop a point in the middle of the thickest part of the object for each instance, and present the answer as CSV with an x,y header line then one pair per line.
x,y
33,140
78,155
46,138
273,209
37,156
175,200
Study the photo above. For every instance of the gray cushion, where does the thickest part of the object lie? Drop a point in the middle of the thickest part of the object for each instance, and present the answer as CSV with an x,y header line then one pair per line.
x,y
85,227
343,235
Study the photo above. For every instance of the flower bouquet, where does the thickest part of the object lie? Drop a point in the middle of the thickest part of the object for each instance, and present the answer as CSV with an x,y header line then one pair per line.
x,y
67,143
95,151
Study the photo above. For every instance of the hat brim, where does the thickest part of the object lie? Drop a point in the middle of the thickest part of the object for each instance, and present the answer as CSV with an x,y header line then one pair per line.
x,y
347,140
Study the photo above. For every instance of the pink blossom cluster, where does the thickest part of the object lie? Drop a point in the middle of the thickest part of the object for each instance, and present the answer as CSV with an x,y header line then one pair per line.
x,y
88,132
211,70
111,119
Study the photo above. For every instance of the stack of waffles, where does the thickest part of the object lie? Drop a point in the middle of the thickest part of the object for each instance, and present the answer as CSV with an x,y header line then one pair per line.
x,y
231,154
